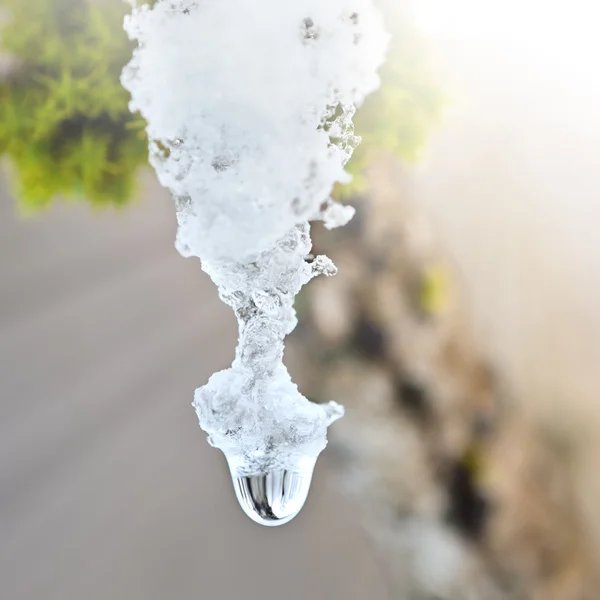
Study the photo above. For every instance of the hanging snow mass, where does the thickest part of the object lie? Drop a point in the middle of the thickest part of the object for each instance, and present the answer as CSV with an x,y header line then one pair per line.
x,y
249,108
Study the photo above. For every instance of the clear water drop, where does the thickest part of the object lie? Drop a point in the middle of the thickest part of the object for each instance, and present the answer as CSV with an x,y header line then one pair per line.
x,y
273,497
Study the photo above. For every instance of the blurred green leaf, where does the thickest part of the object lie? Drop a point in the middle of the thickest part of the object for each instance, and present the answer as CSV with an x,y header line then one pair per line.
x,y
64,118
399,117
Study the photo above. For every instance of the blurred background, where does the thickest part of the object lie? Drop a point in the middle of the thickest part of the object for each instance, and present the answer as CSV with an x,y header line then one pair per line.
x,y
462,331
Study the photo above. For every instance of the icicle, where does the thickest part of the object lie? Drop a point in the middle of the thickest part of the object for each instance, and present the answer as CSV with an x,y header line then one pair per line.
x,y
249,109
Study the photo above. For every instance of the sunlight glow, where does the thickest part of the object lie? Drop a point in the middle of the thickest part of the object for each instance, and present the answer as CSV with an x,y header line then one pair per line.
x,y
557,34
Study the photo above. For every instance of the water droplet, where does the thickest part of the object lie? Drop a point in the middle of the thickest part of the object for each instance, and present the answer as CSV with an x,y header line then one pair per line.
x,y
274,497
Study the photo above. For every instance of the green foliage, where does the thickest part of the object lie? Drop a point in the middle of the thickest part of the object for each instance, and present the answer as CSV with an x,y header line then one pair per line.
x,y
64,118
399,116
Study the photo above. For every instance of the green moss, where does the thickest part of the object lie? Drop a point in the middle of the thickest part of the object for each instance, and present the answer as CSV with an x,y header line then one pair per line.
x,y
434,289
64,118
399,117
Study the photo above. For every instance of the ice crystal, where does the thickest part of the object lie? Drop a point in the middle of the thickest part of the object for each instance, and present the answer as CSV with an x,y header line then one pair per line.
x,y
249,108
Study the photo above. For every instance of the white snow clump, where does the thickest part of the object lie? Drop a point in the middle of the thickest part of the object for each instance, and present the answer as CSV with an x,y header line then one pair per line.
x,y
249,107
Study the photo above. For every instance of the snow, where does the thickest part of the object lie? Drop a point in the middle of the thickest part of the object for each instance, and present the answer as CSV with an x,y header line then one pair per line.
x,y
249,109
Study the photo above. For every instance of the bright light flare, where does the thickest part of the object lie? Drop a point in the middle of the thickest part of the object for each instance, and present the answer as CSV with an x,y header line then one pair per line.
x,y
561,34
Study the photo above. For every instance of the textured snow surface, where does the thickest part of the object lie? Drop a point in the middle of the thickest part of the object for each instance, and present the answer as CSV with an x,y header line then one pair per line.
x,y
249,108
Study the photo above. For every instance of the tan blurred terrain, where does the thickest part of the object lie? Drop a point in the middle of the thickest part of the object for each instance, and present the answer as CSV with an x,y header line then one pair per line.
x,y
501,384
108,488
513,189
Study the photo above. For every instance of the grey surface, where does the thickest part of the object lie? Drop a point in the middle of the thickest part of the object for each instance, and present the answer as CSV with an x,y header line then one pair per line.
x,y
108,488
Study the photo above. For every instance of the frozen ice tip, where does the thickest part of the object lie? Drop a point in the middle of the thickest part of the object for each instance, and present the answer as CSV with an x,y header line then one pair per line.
x,y
274,497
